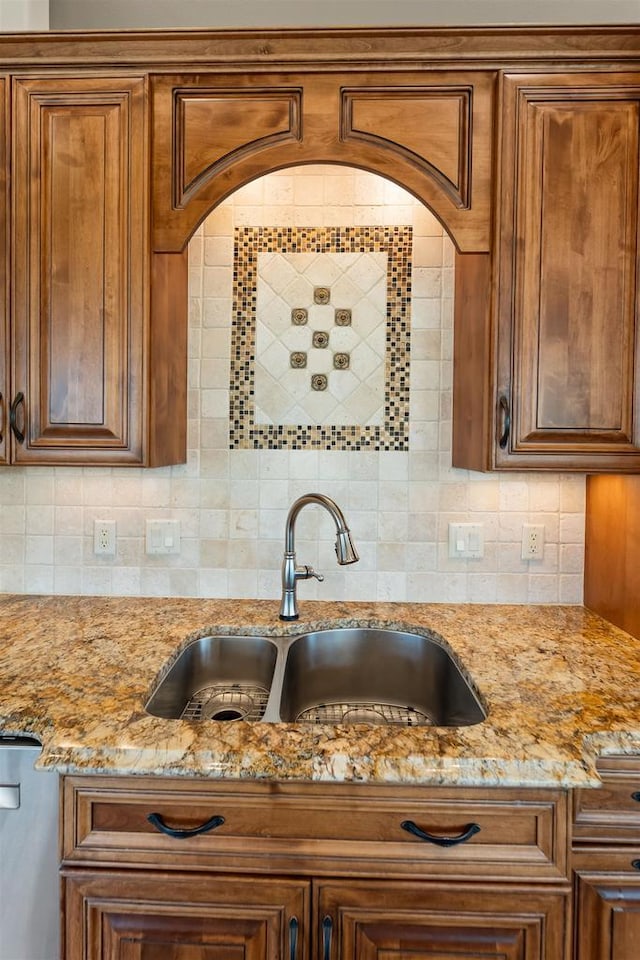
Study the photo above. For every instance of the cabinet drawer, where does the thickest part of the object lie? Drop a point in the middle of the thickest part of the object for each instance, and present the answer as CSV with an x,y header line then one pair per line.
x,y
612,812
320,828
623,860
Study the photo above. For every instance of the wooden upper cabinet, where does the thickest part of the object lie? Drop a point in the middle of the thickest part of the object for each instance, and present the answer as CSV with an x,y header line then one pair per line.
x,y
568,357
80,226
430,132
5,387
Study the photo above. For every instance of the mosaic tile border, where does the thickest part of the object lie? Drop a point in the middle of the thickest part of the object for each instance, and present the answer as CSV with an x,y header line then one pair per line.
x,y
396,242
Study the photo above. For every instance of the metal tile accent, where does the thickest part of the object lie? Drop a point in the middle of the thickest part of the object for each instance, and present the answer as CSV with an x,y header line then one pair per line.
x,y
320,339
299,316
319,381
298,359
341,361
342,318
321,294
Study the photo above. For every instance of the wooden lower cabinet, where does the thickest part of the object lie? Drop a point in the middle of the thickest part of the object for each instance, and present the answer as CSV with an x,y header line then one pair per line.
x,y
434,921
125,915
189,869
606,863
607,917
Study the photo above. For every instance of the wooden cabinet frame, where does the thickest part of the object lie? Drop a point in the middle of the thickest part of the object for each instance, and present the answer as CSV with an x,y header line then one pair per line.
x,y
5,383
79,273
332,857
429,130
606,863
567,255
444,112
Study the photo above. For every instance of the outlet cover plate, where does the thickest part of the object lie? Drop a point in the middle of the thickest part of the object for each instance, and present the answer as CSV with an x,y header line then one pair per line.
x,y
532,541
104,538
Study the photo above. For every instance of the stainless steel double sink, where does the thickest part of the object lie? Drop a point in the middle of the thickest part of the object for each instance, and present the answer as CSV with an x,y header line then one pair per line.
x,y
346,675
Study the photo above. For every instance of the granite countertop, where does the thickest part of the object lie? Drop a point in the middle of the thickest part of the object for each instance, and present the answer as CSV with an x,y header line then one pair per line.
x,y
561,685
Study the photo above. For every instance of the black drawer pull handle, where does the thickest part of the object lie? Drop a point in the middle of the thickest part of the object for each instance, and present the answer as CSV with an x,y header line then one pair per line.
x,y
506,422
469,831
635,864
293,938
327,930
156,820
13,417
636,795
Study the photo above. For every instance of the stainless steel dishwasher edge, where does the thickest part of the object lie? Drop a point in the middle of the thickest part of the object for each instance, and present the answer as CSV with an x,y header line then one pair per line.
x,y
29,885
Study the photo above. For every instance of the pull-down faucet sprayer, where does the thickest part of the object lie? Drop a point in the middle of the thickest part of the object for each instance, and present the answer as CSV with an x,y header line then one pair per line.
x,y
345,551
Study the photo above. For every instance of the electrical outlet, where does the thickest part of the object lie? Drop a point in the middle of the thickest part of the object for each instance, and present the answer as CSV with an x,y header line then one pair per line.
x,y
104,538
532,541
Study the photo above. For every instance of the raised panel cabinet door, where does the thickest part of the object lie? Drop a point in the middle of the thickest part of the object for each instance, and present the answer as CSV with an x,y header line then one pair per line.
x,y
133,916
568,343
424,921
608,917
80,224
5,397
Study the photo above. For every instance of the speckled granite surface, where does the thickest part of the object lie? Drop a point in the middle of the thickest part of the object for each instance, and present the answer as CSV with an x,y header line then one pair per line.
x,y
560,684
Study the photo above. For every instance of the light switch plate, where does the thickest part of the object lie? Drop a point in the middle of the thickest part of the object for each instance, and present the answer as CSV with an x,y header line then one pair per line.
x,y
466,540
162,536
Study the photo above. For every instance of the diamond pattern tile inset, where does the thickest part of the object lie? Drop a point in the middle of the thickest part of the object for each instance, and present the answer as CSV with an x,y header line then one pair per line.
x,y
339,298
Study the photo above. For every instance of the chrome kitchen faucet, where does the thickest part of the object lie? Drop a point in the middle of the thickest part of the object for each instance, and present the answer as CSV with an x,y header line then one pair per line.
x,y
291,573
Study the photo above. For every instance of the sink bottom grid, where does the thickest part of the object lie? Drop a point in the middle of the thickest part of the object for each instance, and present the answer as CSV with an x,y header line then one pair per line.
x,y
227,702
380,713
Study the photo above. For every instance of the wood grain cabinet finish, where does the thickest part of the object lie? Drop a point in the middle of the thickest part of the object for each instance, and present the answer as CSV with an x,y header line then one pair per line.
x,y
431,132
568,355
566,384
308,828
611,814
5,386
334,858
378,921
79,271
131,916
608,917
606,863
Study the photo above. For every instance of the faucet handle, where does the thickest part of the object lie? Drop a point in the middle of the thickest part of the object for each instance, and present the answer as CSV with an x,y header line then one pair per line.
x,y
305,572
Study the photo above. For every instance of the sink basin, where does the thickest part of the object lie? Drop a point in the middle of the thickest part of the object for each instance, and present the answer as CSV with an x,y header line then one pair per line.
x,y
363,675
375,676
217,678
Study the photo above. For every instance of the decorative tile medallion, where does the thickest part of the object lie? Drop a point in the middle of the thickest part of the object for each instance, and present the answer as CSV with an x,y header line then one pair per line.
x,y
321,295
342,318
307,374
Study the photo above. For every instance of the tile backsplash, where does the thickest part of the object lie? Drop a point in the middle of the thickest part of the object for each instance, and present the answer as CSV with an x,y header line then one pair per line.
x,y
324,366
232,502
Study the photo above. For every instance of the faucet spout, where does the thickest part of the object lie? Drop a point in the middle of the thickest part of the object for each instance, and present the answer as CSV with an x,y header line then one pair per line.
x,y
291,573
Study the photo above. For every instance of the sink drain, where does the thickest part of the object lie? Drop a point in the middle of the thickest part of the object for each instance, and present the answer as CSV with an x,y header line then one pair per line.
x,y
376,713
227,702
